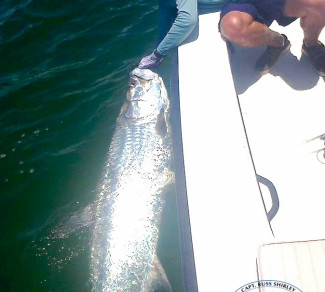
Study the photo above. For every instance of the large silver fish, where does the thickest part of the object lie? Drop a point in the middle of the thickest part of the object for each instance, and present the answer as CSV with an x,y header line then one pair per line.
x,y
130,195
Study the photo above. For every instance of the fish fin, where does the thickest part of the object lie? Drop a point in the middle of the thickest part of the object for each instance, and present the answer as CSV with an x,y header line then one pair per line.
x,y
158,281
81,219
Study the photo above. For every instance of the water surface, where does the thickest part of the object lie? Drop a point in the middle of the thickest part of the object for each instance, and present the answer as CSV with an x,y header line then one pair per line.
x,y
63,77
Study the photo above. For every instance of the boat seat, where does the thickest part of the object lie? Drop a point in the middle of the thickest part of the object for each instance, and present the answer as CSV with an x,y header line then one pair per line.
x,y
300,263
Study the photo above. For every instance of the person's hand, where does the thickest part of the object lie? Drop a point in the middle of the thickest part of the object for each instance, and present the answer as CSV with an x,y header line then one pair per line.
x,y
150,62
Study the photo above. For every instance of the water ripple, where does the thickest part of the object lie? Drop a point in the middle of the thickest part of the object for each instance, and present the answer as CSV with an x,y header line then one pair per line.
x,y
7,10
19,80
63,78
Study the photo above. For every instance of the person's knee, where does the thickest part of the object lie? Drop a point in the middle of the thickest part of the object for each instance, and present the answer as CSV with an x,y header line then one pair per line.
x,y
320,7
313,14
232,27
305,8
315,5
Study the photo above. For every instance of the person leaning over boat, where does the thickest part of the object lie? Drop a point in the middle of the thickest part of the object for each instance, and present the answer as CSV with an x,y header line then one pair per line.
x,y
181,25
246,23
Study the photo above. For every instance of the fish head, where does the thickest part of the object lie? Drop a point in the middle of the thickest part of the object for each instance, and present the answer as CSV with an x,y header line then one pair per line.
x,y
146,95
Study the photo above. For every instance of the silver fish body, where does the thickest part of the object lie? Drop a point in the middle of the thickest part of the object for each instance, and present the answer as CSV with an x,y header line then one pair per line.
x,y
130,195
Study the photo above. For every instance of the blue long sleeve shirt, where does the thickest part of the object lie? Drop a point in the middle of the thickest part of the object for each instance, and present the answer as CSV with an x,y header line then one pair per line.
x,y
185,21
181,28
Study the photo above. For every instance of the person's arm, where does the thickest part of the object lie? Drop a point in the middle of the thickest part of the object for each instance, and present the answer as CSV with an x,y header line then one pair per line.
x,y
183,25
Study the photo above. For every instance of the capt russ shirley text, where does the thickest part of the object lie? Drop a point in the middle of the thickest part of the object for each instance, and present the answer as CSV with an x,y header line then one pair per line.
x,y
277,284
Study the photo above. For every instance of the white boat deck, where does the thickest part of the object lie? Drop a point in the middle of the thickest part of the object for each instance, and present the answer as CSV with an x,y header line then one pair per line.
x,y
228,220
283,113
227,213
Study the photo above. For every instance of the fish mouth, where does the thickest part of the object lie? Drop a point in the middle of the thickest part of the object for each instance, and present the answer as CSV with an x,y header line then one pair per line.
x,y
144,98
145,74
141,81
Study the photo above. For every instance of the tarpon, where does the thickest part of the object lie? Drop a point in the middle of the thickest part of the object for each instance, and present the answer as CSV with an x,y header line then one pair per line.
x,y
130,194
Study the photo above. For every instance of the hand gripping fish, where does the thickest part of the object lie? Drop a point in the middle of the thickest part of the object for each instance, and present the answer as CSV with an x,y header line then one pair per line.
x,y
130,195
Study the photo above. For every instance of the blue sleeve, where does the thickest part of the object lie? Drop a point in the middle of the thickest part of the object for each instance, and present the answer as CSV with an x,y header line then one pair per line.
x,y
183,25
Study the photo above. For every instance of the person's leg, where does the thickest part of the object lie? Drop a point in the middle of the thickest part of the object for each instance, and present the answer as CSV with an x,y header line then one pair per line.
x,y
312,17
247,28
242,29
312,21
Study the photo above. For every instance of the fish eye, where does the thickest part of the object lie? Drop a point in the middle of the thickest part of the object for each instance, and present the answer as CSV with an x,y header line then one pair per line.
x,y
132,84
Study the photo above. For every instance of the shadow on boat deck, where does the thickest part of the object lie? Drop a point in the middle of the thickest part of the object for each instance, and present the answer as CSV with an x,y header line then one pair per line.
x,y
299,74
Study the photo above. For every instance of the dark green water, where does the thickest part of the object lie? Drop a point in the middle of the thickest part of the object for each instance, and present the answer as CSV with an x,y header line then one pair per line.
x,y
63,76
